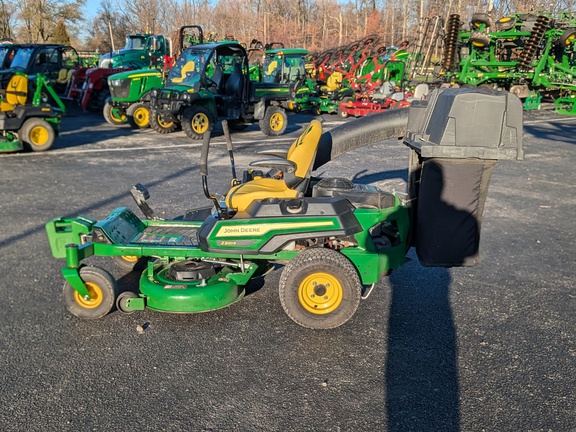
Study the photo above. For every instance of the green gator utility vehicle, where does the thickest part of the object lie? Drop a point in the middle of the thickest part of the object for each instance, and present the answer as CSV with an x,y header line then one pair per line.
x,y
336,238
211,81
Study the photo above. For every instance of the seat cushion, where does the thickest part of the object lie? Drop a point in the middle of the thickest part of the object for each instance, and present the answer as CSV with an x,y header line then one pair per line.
x,y
240,197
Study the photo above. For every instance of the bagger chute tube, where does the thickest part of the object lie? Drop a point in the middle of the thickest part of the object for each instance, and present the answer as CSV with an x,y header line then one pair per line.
x,y
335,238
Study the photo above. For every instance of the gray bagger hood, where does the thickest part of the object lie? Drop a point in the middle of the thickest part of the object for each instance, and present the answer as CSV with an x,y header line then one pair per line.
x,y
455,139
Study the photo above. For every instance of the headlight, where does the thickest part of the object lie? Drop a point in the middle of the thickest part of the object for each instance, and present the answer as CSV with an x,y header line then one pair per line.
x,y
116,83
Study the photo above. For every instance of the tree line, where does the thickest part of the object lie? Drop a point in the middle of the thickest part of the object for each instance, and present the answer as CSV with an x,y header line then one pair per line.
x,y
311,24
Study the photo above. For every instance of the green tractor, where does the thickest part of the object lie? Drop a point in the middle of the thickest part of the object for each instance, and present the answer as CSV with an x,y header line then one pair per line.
x,y
130,91
23,124
139,52
335,238
211,81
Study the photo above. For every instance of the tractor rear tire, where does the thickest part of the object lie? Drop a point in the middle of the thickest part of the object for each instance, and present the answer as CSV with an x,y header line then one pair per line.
x,y
320,289
274,122
160,125
37,134
196,121
102,289
113,115
139,115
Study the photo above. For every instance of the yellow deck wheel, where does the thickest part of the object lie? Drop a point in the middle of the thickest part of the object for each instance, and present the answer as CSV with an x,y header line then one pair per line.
x,y
95,299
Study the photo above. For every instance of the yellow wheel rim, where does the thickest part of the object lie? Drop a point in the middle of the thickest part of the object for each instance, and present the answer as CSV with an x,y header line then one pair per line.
x,y
200,123
570,39
276,122
478,44
39,135
141,116
320,293
96,296
164,124
130,258
117,117
505,20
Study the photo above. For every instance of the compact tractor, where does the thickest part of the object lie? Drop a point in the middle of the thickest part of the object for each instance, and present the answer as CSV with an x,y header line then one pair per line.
x,y
211,81
130,90
90,85
335,238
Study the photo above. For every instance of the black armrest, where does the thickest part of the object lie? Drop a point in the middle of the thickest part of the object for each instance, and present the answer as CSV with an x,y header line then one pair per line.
x,y
283,165
282,153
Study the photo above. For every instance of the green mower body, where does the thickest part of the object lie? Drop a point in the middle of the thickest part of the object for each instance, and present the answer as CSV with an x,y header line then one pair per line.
x,y
335,238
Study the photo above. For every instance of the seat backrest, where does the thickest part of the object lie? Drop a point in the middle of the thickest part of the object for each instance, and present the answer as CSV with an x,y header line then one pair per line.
x,y
17,90
421,90
217,75
303,152
188,67
333,82
233,86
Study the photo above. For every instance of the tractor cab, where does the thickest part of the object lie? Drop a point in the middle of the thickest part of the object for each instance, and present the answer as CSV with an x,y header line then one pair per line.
x,y
284,65
138,52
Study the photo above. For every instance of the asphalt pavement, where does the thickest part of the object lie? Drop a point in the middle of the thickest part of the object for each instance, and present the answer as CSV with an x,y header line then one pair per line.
x,y
485,348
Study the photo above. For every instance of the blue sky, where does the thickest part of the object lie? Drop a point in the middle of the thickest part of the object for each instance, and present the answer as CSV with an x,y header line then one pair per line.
x,y
91,9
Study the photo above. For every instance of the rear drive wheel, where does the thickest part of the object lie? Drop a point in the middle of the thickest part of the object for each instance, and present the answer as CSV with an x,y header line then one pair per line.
x,y
102,289
274,122
114,115
320,289
37,134
196,122
138,115
342,111
130,262
159,125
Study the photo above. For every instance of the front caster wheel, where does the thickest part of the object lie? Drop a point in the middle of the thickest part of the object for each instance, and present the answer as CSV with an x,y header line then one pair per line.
x,y
320,289
102,289
123,300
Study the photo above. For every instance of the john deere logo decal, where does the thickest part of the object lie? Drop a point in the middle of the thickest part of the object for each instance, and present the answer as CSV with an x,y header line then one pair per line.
x,y
251,230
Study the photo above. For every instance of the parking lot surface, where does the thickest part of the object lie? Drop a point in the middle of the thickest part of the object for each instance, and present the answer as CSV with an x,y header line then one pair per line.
x,y
485,348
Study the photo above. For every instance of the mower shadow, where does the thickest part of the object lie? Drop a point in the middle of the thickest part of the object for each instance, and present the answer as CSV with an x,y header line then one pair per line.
x,y
563,132
363,178
421,373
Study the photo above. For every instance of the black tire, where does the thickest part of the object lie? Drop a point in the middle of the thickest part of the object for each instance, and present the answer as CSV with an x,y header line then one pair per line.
x,y
479,40
121,302
97,100
568,38
274,122
480,18
139,115
505,23
159,125
315,110
320,289
37,134
113,115
196,121
101,286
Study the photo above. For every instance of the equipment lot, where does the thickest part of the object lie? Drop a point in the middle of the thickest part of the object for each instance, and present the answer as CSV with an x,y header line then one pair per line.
x,y
489,348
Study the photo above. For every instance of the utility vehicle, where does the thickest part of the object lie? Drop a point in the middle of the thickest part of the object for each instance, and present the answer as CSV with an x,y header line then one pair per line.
x,y
211,81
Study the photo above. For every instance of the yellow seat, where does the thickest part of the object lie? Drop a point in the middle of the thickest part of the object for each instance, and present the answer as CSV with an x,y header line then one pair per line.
x,y
300,160
64,76
188,67
16,93
333,82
